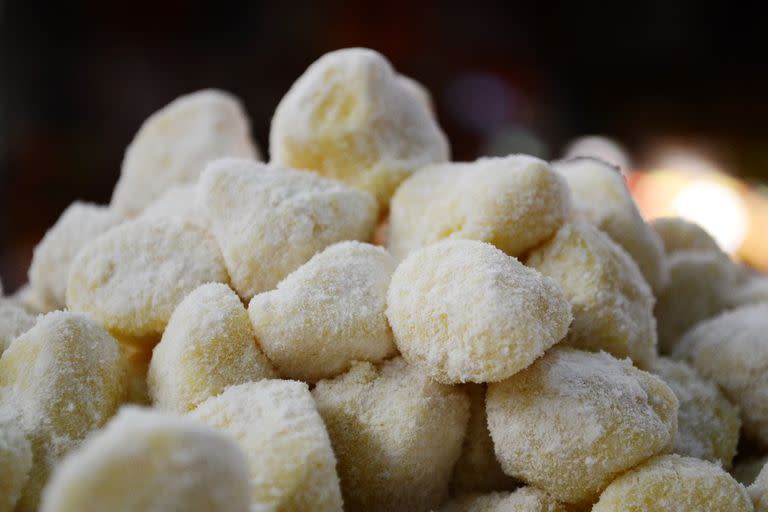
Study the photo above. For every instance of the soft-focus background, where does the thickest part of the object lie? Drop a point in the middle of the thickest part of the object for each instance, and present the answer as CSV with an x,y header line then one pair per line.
x,y
682,87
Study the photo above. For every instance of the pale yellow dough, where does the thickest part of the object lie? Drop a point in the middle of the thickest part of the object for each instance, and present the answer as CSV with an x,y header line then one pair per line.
x,y
524,499
62,379
349,117
327,313
707,422
179,201
463,311
79,224
132,277
396,434
732,350
276,424
671,483
15,461
174,144
270,220
208,345
612,303
575,420
600,196
514,203
149,461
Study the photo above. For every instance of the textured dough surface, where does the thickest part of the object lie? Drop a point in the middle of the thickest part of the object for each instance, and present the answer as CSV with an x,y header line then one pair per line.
x,y
575,420
600,196
62,379
150,461
30,299
732,350
276,424
707,422
678,234
269,220
179,201
700,283
327,313
524,499
396,434
671,483
612,303
132,277
348,117
464,311
174,144
514,203
14,321
758,491
79,224
15,462
208,345
477,469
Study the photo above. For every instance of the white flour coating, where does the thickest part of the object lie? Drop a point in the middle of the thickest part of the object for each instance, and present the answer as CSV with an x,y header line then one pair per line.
x,y
30,300
79,224
670,483
700,285
348,117
269,220
732,350
149,461
62,379
132,277
15,462
758,490
14,321
678,234
417,90
575,420
396,434
612,303
707,423
276,424
601,197
463,311
477,469
208,345
174,144
179,201
524,499
514,203
327,313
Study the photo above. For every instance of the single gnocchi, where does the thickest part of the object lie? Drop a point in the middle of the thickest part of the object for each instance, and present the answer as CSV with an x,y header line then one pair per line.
x,y
348,117
207,346
154,462
327,313
463,311
575,420
397,435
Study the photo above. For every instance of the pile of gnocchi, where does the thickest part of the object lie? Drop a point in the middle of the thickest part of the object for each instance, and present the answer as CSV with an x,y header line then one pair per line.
x,y
362,324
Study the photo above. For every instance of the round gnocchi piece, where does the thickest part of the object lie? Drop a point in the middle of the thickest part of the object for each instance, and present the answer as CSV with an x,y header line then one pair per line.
x,y
514,203
174,144
132,277
524,499
678,234
732,350
63,378
612,304
79,224
154,462
349,117
601,197
269,220
707,422
276,424
463,311
575,420
671,483
15,463
396,433
14,321
327,313
208,345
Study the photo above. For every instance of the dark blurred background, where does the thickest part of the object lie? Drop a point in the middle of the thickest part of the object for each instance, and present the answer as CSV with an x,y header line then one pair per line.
x,y
78,78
